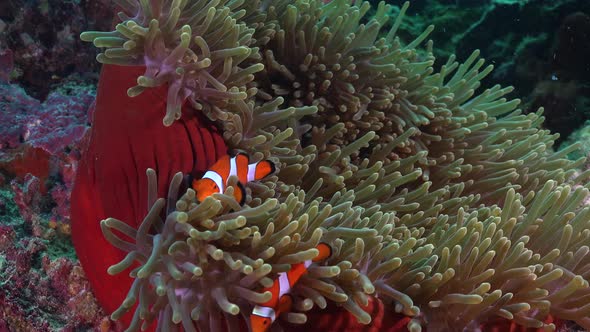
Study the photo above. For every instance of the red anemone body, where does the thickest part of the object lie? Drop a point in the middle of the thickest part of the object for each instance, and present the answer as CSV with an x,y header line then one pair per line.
x,y
127,137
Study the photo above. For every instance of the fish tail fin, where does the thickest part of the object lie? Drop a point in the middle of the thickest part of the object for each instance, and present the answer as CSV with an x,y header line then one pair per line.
x,y
325,252
263,169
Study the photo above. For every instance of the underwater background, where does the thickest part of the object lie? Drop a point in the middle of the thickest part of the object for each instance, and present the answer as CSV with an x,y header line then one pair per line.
x,y
48,89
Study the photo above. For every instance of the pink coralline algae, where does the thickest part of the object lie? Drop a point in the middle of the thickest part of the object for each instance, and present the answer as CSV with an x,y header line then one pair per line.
x,y
28,200
6,64
40,293
43,140
53,125
61,121
42,285
43,37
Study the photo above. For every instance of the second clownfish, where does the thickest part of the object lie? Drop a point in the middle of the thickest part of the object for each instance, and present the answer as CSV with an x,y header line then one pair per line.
x,y
266,313
216,178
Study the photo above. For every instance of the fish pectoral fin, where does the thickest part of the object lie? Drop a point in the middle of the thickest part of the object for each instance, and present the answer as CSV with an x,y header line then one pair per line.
x,y
194,183
240,193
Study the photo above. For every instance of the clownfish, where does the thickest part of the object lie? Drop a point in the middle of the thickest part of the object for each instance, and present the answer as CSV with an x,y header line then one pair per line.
x,y
215,179
263,315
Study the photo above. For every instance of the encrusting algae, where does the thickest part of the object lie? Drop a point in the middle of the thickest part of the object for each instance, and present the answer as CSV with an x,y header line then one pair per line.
x,y
446,203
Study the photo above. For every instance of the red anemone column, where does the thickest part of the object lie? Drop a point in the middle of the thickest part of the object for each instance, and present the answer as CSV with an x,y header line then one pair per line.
x,y
126,138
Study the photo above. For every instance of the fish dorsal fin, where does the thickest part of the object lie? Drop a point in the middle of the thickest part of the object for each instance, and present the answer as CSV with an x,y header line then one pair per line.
x,y
222,167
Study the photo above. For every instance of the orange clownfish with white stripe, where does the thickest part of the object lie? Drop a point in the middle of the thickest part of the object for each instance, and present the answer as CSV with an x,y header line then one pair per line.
x,y
216,178
266,313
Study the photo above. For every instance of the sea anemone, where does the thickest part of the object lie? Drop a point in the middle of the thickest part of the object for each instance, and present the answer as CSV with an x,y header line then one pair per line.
x,y
448,206
196,48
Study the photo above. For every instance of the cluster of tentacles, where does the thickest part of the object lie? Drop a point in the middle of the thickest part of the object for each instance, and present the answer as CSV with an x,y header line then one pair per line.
x,y
445,204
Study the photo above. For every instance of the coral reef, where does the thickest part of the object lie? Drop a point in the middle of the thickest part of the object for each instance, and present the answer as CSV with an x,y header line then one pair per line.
x,y
44,140
532,37
42,286
565,103
541,50
564,94
581,136
7,64
42,38
444,202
